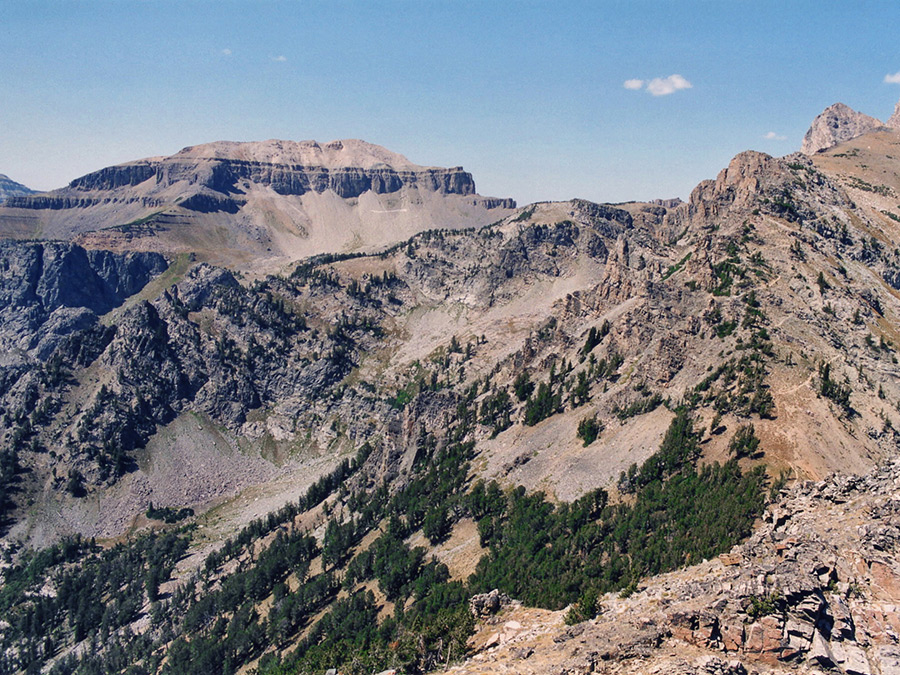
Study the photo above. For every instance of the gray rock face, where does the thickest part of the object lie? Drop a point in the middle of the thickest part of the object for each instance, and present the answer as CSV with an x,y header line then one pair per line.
x,y
485,604
212,345
836,124
10,188
894,120
50,290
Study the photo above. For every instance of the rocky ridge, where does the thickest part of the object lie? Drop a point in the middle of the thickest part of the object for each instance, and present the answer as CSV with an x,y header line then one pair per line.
x,y
51,289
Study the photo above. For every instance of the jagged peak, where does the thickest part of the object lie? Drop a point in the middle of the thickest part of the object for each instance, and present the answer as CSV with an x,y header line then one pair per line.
x,y
335,154
836,124
894,120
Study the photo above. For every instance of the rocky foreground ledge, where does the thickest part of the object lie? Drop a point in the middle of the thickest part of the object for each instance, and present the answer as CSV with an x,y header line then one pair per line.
x,y
815,590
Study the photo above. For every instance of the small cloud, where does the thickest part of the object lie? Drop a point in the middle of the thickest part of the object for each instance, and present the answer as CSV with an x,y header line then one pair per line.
x,y
772,136
634,84
281,58
663,86
892,79
226,52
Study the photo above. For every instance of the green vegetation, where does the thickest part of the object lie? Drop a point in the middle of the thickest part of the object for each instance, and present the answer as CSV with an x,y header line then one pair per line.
x,y
405,395
549,556
640,407
831,389
744,443
677,266
167,514
724,329
496,410
763,606
324,615
525,215
544,404
581,392
545,554
589,430
585,609
9,469
866,186
137,222
727,271
97,595
736,386
594,337
523,386
783,206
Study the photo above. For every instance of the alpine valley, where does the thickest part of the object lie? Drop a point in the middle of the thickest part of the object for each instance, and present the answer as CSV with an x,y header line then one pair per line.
x,y
290,407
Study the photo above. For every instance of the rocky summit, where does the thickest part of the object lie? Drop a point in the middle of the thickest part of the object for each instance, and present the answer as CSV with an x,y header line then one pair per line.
x,y
837,123
464,435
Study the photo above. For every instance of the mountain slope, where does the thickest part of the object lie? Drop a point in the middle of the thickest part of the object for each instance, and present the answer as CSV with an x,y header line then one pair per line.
x,y
10,188
813,590
259,204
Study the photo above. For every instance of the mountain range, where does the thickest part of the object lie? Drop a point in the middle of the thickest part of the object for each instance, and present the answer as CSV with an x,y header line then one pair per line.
x,y
296,406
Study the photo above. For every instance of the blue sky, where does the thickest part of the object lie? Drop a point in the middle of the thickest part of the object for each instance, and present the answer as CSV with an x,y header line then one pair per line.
x,y
528,96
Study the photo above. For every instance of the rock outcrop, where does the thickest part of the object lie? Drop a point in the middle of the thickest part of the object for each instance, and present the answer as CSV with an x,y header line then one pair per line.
x,y
49,290
222,175
836,124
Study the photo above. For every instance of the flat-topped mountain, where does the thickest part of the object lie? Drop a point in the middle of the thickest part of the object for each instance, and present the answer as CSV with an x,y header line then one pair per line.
x,y
333,155
10,188
267,202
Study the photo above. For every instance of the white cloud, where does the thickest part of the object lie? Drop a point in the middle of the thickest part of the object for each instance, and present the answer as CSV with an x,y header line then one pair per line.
x,y
226,52
893,79
634,84
663,86
281,58
772,136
